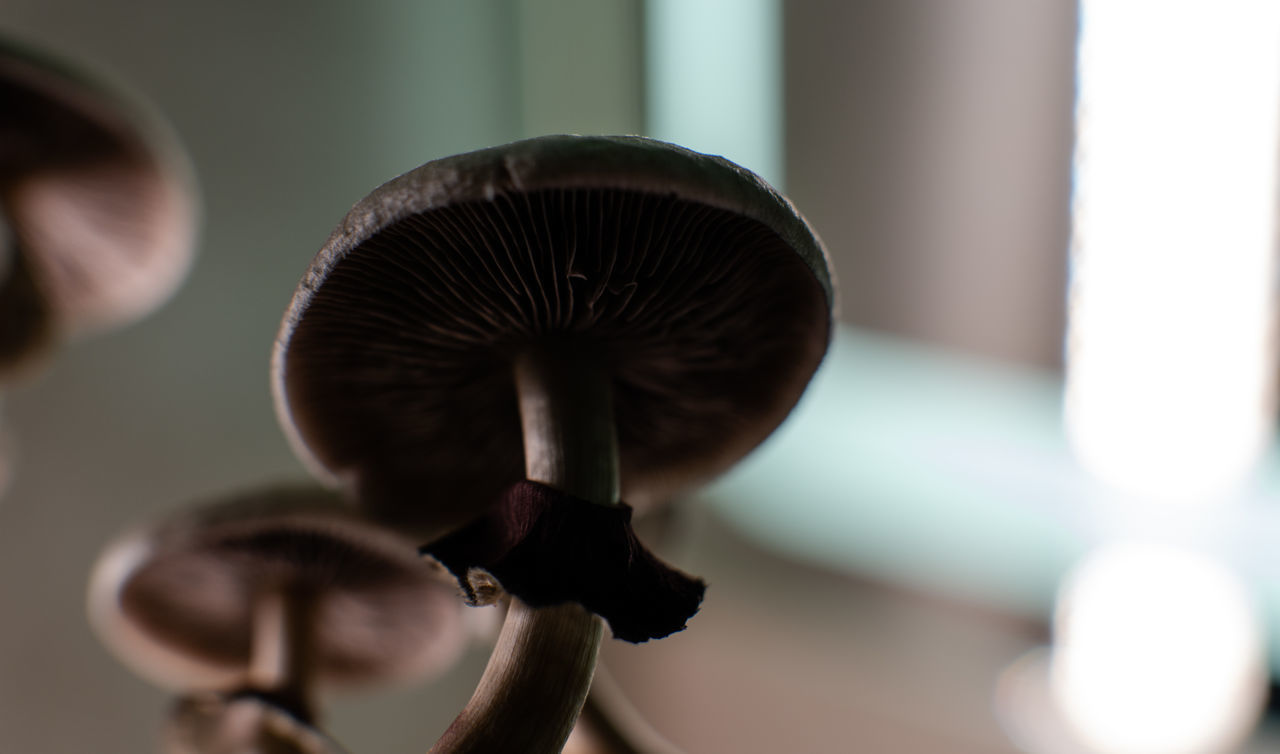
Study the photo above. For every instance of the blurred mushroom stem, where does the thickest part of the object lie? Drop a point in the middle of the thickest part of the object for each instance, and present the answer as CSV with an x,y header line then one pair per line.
x,y
282,655
538,675
610,724
26,324
566,412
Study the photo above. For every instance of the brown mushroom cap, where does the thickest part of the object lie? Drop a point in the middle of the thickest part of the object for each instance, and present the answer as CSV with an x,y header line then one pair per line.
x,y
176,601
97,200
701,290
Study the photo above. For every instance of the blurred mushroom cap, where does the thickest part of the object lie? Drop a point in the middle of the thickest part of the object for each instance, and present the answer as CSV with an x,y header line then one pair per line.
x,y
97,201
175,601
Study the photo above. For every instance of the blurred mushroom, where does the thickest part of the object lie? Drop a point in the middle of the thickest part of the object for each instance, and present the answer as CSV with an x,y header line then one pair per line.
x,y
547,324
96,207
271,596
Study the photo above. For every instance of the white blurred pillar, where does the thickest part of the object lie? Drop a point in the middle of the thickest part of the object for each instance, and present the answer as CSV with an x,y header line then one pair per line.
x,y
1170,344
1170,363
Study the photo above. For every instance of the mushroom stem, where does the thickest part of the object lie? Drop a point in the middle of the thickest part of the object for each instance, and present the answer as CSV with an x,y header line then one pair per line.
x,y
538,675
281,661
566,410
534,685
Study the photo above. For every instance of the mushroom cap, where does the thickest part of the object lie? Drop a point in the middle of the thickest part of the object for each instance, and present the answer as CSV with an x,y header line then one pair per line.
x,y
703,293
175,601
97,197
217,724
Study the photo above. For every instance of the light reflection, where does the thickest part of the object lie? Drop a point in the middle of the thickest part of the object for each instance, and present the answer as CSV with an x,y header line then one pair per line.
x,y
1157,651
1026,710
1170,351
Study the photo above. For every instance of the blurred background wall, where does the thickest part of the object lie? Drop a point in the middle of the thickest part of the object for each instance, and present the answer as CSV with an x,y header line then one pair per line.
x,y
927,141
930,143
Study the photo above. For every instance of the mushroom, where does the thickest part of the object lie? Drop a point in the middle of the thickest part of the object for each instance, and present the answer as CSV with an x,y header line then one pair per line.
x,y
96,210
268,598
555,325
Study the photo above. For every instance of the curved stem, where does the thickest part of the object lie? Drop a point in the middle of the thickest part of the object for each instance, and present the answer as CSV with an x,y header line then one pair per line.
x,y
538,676
534,685
612,725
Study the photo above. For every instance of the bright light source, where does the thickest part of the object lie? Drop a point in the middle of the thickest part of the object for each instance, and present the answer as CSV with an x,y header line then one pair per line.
x,y
1027,711
1170,343
1158,651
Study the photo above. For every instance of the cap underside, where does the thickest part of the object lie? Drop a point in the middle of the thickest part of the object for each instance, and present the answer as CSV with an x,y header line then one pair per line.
x,y
397,369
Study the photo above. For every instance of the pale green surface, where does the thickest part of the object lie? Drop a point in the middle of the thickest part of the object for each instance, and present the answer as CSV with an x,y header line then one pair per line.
x,y
955,476
714,74
919,466
439,77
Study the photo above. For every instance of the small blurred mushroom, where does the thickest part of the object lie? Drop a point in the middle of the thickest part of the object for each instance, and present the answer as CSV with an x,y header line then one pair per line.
x,y
551,324
97,212
97,208
271,596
